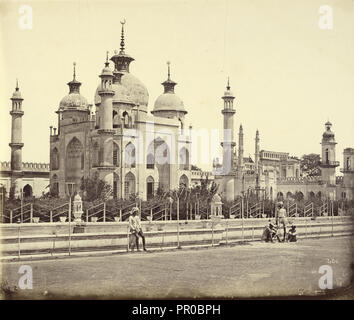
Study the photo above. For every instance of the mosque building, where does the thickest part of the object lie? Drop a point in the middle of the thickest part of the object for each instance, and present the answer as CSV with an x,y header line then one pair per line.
x,y
136,153
140,154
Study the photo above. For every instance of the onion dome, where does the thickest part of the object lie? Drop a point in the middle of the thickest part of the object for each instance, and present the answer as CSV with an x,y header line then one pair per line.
x,y
328,133
74,100
17,94
228,92
169,101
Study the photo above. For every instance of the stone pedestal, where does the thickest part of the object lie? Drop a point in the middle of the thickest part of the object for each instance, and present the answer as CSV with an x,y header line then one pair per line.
x,y
77,208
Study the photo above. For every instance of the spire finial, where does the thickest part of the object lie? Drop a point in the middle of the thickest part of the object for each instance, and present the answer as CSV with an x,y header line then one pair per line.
x,y
169,71
122,36
228,83
17,84
107,63
74,76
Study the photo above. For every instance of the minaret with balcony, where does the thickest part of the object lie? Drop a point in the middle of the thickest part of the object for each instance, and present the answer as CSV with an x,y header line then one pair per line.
x,y
328,163
16,144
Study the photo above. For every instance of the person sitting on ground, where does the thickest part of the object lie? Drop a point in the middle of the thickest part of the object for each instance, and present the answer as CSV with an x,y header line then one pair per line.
x,y
138,229
270,232
133,237
292,234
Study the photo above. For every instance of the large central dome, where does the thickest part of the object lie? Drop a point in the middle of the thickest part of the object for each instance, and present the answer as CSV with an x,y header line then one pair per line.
x,y
130,90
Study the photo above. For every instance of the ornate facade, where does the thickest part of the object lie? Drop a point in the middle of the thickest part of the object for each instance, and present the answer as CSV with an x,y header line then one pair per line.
x,y
136,153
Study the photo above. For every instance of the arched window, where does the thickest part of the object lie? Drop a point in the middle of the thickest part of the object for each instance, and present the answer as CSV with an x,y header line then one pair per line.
x,y
115,155
327,156
129,155
115,118
74,160
27,191
126,119
149,187
55,159
348,163
129,185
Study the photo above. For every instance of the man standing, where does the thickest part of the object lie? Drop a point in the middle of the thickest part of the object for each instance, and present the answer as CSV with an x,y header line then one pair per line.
x,y
137,228
282,218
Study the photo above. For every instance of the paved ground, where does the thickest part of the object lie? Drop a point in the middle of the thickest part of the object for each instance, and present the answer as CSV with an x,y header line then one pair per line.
x,y
250,270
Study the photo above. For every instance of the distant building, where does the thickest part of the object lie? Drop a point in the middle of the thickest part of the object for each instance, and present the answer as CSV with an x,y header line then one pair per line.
x,y
273,174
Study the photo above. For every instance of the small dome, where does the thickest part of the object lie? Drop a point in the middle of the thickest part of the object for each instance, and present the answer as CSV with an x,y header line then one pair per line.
x,y
228,93
16,95
169,102
73,101
77,198
106,71
130,90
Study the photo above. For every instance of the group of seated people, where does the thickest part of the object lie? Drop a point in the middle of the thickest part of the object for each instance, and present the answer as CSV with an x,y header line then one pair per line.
x,y
271,233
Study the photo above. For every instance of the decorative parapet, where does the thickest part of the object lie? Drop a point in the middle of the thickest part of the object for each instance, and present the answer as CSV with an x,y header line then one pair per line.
x,y
26,166
197,174
301,180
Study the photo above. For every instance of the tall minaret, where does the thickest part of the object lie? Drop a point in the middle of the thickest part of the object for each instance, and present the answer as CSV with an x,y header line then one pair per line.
x,y
328,164
228,143
106,93
16,141
256,152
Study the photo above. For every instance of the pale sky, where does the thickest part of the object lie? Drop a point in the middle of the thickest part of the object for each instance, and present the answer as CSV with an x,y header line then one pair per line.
x,y
288,75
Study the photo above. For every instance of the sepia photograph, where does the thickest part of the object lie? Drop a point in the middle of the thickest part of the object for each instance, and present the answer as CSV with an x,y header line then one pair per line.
x,y
181,149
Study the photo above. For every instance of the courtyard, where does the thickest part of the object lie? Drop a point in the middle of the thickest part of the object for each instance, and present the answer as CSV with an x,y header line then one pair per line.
x,y
244,270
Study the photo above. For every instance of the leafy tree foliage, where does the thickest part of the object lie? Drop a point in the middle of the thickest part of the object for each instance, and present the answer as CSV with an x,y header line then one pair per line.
x,y
310,165
95,189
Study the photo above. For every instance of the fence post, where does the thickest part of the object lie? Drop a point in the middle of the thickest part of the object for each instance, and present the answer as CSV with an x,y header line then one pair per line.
x,y
187,207
227,232
104,211
31,212
242,203
51,215
332,213
120,216
165,212
151,217
11,216
212,232
87,215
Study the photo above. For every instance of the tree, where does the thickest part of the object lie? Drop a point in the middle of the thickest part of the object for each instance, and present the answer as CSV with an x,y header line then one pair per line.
x,y
310,165
95,189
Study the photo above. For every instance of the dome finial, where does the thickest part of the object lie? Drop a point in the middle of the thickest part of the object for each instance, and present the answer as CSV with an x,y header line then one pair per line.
x,y
169,71
107,63
228,83
122,37
74,76
17,88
